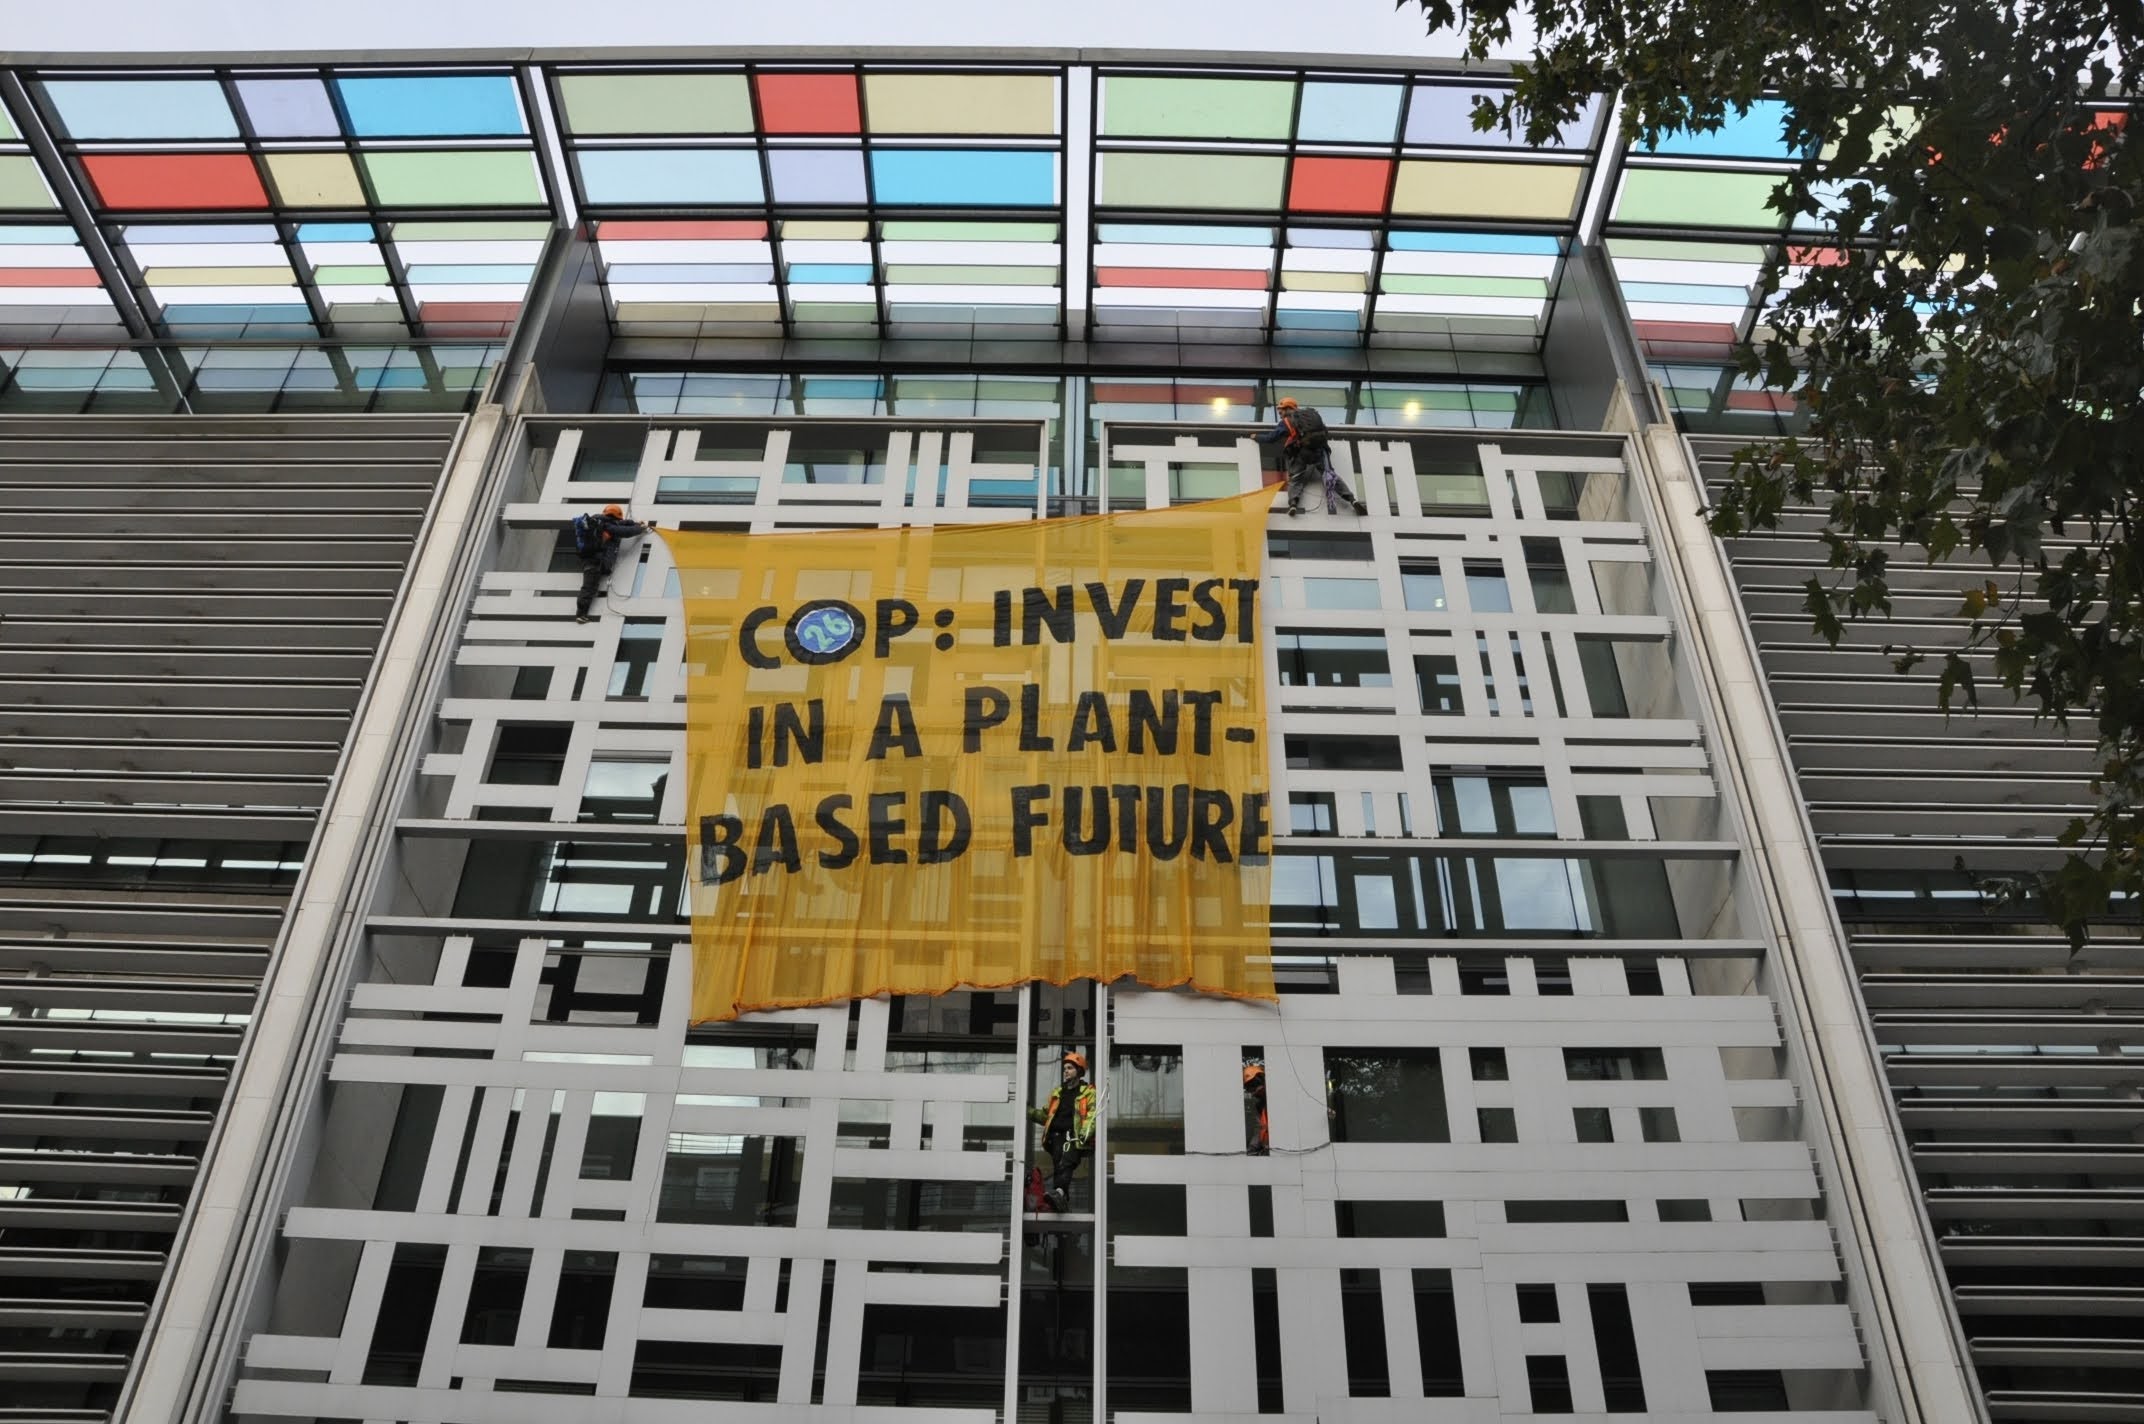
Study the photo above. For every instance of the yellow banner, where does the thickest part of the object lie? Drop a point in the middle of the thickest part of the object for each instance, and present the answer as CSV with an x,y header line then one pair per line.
x,y
978,755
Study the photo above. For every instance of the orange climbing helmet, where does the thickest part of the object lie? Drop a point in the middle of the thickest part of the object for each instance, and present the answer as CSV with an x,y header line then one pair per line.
x,y
615,511
1076,1058
1287,402
1252,1072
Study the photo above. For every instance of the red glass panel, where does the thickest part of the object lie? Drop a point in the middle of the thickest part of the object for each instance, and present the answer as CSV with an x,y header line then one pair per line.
x,y
1339,185
809,104
140,181
1179,277
48,277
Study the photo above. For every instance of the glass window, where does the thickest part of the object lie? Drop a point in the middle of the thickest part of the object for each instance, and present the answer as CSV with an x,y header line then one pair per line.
x,y
1537,1305
1332,660
1548,1382
695,1283
1582,1065
929,1357
1351,548
1592,1124
1658,1125
1422,586
1437,676
529,754
1436,1327
1487,590
1424,1219
1497,1124
1493,806
1604,683
818,456
1451,493
1146,1099
638,643
1386,1095
1343,753
720,1179
1348,593
1549,575
1310,813
1488,1065
624,789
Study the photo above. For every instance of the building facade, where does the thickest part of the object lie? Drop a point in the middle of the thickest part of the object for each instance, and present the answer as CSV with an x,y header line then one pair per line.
x,y
1639,1053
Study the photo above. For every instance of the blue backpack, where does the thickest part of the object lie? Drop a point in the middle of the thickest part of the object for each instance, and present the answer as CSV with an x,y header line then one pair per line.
x,y
587,534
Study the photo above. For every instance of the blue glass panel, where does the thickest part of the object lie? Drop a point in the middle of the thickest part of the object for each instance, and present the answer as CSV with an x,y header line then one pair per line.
x,y
964,177
1686,294
289,108
671,176
24,236
1755,134
142,108
817,175
1317,320
829,272
414,106
1442,116
1186,235
336,232
1475,242
1349,113
844,387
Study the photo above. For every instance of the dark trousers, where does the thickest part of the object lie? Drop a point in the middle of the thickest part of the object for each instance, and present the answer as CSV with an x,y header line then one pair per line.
x,y
594,569
1065,1157
1307,471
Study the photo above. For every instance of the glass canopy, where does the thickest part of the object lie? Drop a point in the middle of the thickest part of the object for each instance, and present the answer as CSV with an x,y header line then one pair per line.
x,y
1006,202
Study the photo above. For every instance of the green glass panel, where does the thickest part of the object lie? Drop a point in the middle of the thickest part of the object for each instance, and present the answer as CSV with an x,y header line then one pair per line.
x,y
20,187
1142,105
1236,181
350,276
987,276
1528,287
1496,400
7,125
657,103
1688,197
461,180
968,232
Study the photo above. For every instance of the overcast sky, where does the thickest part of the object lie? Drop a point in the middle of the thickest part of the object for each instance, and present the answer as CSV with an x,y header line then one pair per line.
x,y
143,28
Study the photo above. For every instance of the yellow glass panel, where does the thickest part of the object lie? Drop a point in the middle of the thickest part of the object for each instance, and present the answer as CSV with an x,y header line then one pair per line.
x,y
1518,191
316,180
1324,281
1022,104
219,277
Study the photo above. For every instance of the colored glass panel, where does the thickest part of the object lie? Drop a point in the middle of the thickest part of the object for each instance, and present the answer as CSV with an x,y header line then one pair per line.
x,y
1217,280
178,181
817,175
1442,116
21,185
1338,185
7,125
656,103
142,108
1474,242
808,104
670,176
455,180
955,231
289,108
1187,234
1010,104
1348,113
1142,106
1685,197
1509,191
432,106
1756,134
316,180
959,177
1192,180
613,230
